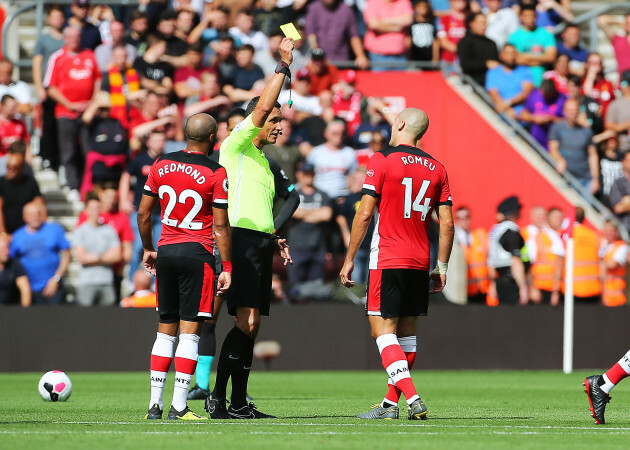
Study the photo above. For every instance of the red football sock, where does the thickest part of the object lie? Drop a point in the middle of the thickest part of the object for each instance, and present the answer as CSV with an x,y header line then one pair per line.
x,y
395,363
408,344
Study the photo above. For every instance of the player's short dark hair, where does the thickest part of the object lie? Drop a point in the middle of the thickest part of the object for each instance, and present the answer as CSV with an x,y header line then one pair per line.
x,y
252,105
236,112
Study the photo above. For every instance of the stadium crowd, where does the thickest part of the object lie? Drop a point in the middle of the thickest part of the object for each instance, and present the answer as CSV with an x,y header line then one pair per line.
x,y
114,87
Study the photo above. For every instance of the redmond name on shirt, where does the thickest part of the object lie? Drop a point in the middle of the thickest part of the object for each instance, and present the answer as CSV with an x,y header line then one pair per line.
x,y
184,168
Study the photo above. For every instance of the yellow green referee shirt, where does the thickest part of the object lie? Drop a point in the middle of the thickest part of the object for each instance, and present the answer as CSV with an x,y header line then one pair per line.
x,y
251,182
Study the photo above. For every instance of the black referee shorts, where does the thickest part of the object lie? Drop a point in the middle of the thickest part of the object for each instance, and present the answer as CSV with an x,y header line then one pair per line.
x,y
252,259
185,282
397,293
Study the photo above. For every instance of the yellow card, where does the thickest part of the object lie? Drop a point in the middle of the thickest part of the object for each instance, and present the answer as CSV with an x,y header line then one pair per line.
x,y
290,31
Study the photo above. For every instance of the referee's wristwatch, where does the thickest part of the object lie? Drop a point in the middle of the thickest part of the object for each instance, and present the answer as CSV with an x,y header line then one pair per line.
x,y
283,67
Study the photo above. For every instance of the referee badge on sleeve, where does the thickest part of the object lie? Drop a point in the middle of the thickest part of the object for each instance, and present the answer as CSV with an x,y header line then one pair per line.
x,y
225,185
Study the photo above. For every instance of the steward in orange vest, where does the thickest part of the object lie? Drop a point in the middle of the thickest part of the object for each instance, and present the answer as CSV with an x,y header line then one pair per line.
x,y
547,252
475,245
140,299
614,253
587,283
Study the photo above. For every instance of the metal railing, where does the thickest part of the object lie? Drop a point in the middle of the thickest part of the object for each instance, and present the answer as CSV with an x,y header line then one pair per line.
x,y
590,17
39,7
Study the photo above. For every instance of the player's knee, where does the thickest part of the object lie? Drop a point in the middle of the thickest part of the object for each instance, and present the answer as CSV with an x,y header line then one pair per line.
x,y
250,326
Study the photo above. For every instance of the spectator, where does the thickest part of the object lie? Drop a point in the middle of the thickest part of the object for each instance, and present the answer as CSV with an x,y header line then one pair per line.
x,y
97,248
509,84
620,39
175,46
595,85
45,252
387,23
614,261
345,219
286,154
130,192
550,13
122,83
475,245
610,167
213,24
323,74
307,231
542,108
90,34
502,22
571,146
16,190
451,29
569,44
223,58
618,114
16,147
440,7
348,102
333,161
587,285
154,115
104,52
331,25
154,73
108,144
620,193
590,111
269,16
268,59
12,126
14,285
143,296
239,85
560,74
188,78
185,21
138,27
303,102
102,17
243,31
477,54
209,100
47,43
536,45
377,143
422,40
19,90
380,119
73,80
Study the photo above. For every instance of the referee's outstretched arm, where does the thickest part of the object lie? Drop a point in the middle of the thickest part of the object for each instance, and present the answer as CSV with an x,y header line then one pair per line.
x,y
270,94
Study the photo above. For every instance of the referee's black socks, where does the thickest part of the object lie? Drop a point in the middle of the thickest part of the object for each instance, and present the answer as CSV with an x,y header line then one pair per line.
x,y
235,361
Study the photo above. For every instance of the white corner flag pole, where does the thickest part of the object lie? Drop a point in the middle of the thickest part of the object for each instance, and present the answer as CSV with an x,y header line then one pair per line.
x,y
567,348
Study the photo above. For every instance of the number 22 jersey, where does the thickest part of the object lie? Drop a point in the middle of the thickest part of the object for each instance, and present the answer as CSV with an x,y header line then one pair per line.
x,y
408,184
189,185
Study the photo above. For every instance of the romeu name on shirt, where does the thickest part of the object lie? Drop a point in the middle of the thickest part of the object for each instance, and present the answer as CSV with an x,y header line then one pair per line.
x,y
188,185
408,184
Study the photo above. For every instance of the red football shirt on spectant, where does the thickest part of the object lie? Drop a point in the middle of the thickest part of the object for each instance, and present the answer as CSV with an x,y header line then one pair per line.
x,y
189,185
10,131
408,184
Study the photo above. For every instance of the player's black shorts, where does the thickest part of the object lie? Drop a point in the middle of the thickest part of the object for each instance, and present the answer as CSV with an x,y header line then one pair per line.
x,y
252,259
397,293
185,282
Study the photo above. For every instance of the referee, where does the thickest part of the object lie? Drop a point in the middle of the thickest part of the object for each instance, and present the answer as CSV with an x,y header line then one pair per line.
x,y
250,204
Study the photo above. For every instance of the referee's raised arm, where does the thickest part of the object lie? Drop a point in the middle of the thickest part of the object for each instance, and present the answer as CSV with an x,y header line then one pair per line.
x,y
269,95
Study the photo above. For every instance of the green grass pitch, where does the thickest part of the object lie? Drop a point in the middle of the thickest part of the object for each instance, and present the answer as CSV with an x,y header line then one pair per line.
x,y
467,409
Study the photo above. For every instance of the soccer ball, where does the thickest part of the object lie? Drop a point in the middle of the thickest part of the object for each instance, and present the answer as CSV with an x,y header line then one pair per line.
x,y
55,386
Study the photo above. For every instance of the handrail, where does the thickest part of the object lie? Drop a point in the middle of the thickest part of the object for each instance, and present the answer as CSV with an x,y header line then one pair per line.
x,y
525,135
39,20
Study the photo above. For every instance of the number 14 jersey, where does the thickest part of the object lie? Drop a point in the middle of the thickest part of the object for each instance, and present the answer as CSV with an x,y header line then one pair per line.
x,y
189,185
408,184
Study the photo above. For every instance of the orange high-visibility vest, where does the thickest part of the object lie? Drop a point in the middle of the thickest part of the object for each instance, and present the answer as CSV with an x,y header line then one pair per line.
x,y
141,299
477,259
586,277
615,280
544,268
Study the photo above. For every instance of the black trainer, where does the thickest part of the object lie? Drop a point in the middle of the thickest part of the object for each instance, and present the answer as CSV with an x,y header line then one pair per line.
x,y
597,398
155,413
197,393
248,411
216,408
